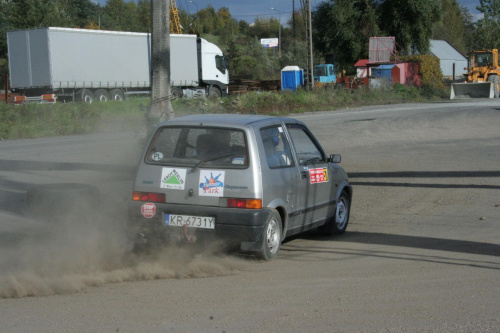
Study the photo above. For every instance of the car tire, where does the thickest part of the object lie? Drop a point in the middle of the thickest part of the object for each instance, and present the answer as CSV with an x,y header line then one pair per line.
x,y
271,237
337,224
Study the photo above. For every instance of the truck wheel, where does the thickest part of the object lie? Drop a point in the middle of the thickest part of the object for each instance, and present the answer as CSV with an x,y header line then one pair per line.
x,y
117,95
85,95
272,237
101,95
496,84
338,223
176,93
214,92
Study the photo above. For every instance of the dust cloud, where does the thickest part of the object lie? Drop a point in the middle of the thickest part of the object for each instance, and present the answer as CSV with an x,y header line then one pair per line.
x,y
86,248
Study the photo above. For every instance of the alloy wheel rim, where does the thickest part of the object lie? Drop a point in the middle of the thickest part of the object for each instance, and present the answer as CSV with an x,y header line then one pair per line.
x,y
273,237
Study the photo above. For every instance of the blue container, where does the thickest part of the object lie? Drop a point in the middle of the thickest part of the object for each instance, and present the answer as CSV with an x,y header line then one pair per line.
x,y
383,71
292,77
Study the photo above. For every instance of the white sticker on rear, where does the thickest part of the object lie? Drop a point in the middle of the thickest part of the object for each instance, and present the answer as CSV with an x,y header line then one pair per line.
x,y
157,156
173,178
211,183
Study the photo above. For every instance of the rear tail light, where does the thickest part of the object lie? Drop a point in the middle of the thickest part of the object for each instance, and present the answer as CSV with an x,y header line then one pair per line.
x,y
244,203
149,196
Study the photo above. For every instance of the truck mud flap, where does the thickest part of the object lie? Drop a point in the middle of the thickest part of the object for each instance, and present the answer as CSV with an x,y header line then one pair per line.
x,y
472,90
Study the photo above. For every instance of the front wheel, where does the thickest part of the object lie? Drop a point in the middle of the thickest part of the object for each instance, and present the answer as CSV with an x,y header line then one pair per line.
x,y
214,92
338,223
272,237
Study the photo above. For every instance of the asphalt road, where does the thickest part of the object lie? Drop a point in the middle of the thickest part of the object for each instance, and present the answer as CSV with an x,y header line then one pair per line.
x,y
421,252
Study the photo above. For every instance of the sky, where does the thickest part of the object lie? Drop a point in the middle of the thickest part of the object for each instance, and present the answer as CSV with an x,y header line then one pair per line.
x,y
248,10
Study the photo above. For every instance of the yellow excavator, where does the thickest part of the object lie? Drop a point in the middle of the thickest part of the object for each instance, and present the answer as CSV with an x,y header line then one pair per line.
x,y
482,78
175,23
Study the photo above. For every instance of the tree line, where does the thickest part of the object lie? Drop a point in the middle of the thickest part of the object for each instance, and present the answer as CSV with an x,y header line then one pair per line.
x,y
341,28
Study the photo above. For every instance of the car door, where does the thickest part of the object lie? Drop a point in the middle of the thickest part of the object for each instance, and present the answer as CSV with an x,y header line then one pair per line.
x,y
317,184
280,177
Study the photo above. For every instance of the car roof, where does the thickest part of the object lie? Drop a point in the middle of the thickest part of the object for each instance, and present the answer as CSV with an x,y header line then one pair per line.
x,y
225,119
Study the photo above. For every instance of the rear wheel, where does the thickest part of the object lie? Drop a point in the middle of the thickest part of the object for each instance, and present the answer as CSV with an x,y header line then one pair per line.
x,y
338,223
176,93
496,84
101,95
117,95
272,237
85,95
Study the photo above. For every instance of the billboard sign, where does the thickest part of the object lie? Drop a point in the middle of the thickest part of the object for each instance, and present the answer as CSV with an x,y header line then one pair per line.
x,y
269,42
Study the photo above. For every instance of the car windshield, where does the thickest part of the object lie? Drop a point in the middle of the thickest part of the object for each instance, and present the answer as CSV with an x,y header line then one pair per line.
x,y
198,147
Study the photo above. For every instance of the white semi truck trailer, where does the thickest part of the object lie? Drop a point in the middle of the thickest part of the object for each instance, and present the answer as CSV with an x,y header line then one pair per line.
x,y
66,64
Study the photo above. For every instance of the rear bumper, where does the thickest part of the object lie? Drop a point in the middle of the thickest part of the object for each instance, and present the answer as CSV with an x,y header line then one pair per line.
x,y
242,226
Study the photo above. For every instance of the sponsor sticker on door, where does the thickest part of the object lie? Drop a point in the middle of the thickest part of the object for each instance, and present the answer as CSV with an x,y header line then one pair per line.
x,y
319,175
211,183
173,178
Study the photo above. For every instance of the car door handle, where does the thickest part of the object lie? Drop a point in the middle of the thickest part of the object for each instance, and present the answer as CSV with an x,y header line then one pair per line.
x,y
303,174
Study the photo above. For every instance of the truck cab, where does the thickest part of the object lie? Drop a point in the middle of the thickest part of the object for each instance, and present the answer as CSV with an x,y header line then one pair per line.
x,y
324,74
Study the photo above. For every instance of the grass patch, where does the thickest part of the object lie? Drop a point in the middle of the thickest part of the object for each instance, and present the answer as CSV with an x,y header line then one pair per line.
x,y
42,120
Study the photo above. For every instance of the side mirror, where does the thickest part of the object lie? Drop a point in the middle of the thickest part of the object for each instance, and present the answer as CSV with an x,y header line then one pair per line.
x,y
334,158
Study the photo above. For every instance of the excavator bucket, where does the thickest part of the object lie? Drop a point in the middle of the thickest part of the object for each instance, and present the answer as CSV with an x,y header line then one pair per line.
x,y
472,90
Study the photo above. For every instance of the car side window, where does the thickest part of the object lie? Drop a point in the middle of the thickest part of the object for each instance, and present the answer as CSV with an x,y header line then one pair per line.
x,y
308,151
276,147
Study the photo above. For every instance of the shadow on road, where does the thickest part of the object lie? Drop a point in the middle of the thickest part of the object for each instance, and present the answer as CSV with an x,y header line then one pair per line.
x,y
425,174
405,241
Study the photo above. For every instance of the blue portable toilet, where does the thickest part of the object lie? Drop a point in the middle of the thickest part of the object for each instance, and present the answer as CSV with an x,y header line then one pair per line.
x,y
383,72
292,77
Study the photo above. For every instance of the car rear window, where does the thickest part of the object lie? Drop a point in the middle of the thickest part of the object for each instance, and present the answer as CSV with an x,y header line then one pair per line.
x,y
198,146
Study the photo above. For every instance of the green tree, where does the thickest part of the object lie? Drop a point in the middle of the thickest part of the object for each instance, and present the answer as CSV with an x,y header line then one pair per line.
x,y
121,16
144,15
4,26
342,28
488,28
207,20
451,27
410,21
81,13
233,54
25,14
470,30
256,63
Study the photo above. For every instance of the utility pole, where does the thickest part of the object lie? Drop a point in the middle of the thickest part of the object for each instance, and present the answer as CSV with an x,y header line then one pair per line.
x,y
306,10
279,30
294,36
160,108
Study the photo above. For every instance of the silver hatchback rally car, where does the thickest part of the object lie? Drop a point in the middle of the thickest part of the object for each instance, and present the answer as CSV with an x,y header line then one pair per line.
x,y
249,180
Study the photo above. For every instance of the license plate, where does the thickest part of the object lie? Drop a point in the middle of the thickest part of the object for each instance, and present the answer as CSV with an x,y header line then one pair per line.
x,y
203,222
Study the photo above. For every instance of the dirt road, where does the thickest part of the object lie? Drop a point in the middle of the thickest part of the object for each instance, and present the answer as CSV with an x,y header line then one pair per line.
x,y
421,252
